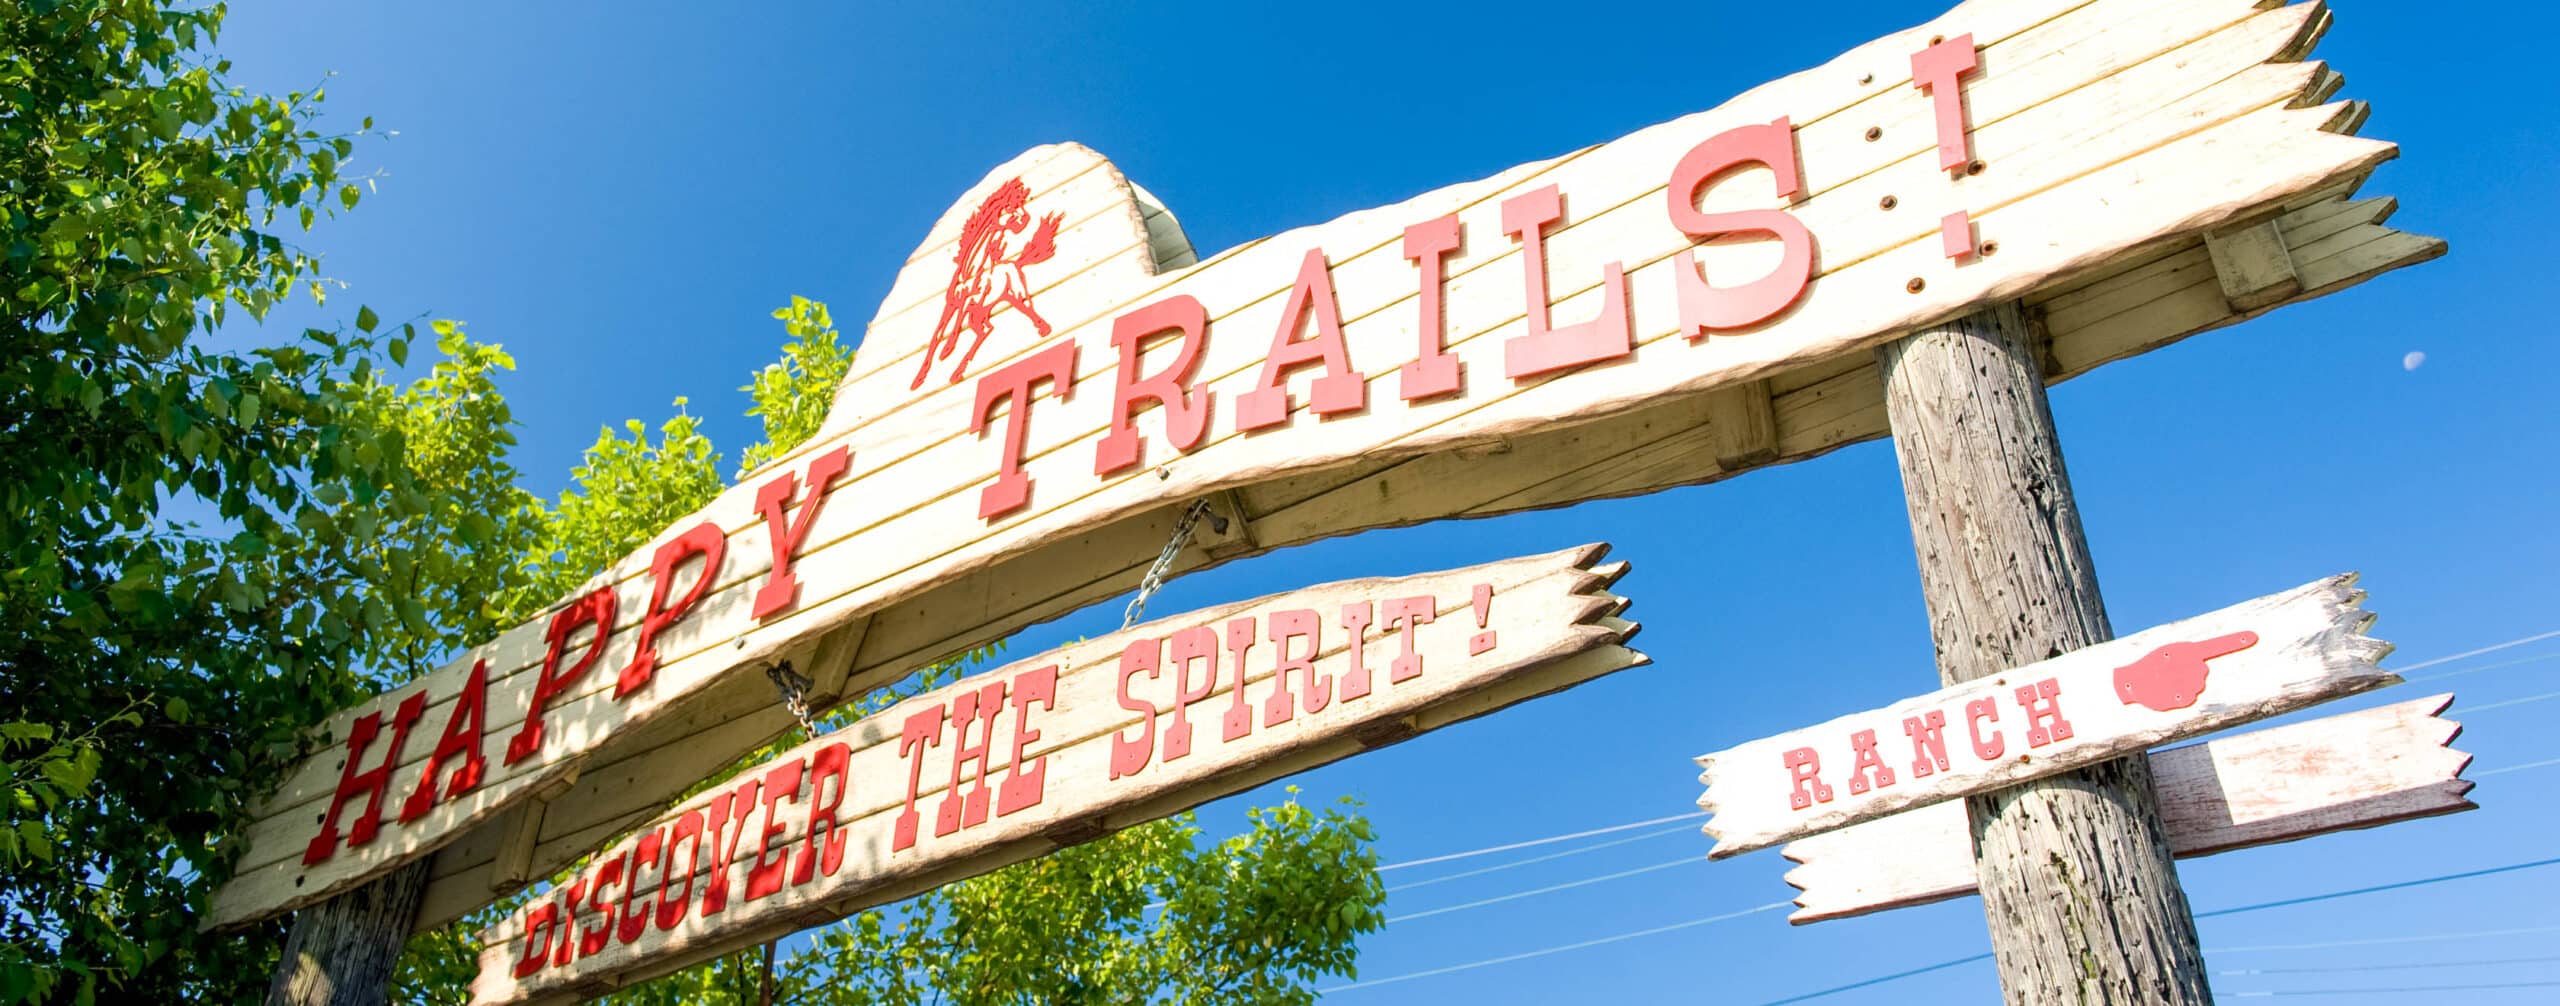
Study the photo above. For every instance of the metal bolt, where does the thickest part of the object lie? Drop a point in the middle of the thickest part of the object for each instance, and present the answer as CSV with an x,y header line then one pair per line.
x,y
1888,202
1915,285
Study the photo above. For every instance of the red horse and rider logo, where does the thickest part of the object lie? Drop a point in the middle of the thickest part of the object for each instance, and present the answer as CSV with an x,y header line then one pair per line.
x,y
987,271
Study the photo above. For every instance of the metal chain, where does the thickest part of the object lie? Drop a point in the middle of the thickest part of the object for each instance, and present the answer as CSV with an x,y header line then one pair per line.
x,y
1148,584
795,692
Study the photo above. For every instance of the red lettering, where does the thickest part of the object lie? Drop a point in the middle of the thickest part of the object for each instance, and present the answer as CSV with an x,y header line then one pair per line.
x,y
368,783
596,608
1196,643
1340,389
648,854
671,910
2042,703
1303,624
1867,771
537,949
1129,752
1940,70
705,540
1804,774
764,876
831,763
1545,348
1026,784
1186,412
1355,678
1928,743
784,535
1055,366
1239,722
568,942
729,815
462,730
596,938
1703,306
1977,713
1403,614
923,729
1433,371
968,810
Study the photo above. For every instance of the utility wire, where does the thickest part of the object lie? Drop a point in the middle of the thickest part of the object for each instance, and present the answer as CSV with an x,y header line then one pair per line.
x,y
1551,889
2546,696
2398,988
1549,840
1677,829
2545,763
1544,951
2491,648
2377,941
2414,965
2500,665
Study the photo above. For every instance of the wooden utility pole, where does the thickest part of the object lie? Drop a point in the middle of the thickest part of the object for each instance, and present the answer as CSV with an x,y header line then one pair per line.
x,y
2076,879
344,951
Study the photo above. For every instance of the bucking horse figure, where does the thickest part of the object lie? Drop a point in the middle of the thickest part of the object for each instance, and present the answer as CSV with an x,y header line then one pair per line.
x,y
988,272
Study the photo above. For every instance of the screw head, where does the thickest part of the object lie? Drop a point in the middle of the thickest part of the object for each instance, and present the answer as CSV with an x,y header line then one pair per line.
x,y
1974,168
1916,285
1990,248
1888,202
1875,133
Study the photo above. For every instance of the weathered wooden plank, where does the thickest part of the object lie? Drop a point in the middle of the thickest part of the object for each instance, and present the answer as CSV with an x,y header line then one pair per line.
x,y
2255,659
2078,105
2337,773
2252,264
1083,740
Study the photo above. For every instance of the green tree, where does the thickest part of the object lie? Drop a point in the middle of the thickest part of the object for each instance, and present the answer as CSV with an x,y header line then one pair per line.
x,y
205,550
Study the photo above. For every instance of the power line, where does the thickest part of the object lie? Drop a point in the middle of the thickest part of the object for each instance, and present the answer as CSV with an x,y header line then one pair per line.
x,y
2377,941
1569,885
1677,829
2491,648
2545,763
2261,906
1549,840
2500,665
2493,986
2414,965
2474,710
1544,951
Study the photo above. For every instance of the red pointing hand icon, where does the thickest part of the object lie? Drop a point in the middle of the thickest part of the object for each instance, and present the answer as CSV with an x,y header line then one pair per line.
x,y
2173,677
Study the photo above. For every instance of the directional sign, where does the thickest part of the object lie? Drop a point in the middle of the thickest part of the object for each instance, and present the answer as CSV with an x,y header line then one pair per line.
x,y
2337,773
1055,376
1057,749
2246,662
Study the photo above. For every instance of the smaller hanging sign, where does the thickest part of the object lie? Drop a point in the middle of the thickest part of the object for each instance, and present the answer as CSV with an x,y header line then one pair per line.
x,y
1058,749
2246,662
2337,773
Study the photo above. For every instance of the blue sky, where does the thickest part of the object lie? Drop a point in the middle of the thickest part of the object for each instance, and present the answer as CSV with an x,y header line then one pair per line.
x,y
621,193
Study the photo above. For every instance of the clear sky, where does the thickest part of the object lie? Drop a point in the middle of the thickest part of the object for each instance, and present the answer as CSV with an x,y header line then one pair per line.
x,y
620,193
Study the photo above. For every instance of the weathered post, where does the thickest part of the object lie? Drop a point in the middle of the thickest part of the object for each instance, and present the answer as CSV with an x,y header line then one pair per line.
x,y
2076,878
344,951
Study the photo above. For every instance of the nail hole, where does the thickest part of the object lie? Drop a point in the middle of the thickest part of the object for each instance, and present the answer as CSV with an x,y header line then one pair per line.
x,y
1875,133
1888,202
1916,284
1990,248
1866,78
1935,39
1974,168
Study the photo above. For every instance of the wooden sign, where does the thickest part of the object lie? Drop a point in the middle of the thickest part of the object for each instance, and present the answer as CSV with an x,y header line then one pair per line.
x,y
2246,662
1055,376
2338,773
1057,749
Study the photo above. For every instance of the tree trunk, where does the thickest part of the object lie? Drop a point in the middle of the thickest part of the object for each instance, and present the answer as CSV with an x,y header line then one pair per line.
x,y
343,951
2077,884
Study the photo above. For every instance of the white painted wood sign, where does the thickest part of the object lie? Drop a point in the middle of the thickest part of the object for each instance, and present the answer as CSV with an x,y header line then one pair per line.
x,y
2252,660
2337,773
1055,376
1057,749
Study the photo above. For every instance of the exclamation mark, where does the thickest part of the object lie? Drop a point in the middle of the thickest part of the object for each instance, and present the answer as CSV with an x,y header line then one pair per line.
x,y
1484,609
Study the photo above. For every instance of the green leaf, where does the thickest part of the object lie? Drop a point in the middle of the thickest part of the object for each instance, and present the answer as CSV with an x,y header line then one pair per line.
x,y
348,194
366,319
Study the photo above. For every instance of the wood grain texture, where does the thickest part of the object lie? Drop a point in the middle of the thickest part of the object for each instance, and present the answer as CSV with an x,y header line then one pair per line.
x,y
1552,625
2338,773
2078,889
345,952
2308,647
2117,133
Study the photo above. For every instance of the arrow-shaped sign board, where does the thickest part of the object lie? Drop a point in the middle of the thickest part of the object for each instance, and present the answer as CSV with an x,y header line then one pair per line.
x,y
2336,773
1056,749
1055,377
2252,660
